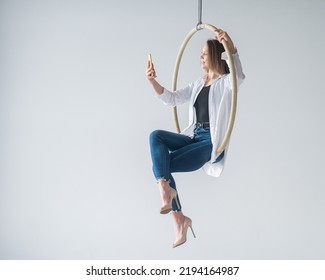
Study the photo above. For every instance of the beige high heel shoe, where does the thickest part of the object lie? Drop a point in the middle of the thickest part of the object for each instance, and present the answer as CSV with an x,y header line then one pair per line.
x,y
165,209
182,240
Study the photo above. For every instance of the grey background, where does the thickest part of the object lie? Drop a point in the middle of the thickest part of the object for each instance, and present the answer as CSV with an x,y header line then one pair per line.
x,y
76,111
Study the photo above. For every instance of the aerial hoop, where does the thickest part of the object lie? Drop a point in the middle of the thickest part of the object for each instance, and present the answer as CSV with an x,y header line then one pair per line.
x,y
233,80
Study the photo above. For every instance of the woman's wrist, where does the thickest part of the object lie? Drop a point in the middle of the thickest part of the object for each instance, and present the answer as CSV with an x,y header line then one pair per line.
x,y
157,87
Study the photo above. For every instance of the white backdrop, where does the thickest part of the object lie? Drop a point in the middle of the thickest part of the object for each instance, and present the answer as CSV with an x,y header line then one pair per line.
x,y
76,111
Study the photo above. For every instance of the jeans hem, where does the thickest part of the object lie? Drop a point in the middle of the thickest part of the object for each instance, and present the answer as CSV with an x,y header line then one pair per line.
x,y
162,179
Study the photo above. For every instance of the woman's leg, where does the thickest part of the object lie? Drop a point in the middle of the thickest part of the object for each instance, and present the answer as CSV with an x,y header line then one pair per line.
x,y
165,192
186,159
173,152
189,158
161,144
178,219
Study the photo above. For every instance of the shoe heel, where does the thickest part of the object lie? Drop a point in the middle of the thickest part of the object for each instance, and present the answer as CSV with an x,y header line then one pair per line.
x,y
192,231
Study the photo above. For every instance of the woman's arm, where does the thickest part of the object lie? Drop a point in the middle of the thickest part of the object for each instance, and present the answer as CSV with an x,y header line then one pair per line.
x,y
169,98
222,35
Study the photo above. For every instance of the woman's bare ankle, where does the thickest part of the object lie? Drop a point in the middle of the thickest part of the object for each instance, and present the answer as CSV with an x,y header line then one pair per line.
x,y
178,217
164,189
163,184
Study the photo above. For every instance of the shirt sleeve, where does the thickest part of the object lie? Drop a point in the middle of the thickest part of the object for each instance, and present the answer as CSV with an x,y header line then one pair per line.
x,y
239,70
177,97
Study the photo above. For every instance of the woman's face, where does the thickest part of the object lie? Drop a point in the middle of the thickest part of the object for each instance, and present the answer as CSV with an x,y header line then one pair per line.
x,y
204,58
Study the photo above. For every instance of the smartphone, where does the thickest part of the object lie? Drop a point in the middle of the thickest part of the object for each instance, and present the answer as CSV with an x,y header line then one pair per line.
x,y
150,59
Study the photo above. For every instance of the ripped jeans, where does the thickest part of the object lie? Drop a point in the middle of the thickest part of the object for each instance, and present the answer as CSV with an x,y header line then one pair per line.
x,y
173,152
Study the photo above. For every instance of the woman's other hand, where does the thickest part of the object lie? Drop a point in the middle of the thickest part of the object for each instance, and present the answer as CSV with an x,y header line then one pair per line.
x,y
222,35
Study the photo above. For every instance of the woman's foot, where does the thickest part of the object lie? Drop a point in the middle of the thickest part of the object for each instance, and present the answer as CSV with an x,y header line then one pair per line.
x,y
181,225
167,195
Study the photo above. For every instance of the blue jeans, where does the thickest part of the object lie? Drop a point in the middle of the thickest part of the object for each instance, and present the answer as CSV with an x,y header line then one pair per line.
x,y
173,152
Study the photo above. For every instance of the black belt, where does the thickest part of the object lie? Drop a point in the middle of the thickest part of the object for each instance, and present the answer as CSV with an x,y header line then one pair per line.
x,y
204,125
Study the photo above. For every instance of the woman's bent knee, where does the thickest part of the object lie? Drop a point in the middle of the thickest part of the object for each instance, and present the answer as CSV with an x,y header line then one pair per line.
x,y
154,135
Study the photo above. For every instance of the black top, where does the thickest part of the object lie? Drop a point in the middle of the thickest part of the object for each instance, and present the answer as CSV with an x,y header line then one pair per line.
x,y
202,105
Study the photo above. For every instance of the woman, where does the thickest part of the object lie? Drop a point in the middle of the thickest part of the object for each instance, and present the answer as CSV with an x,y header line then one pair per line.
x,y
196,146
